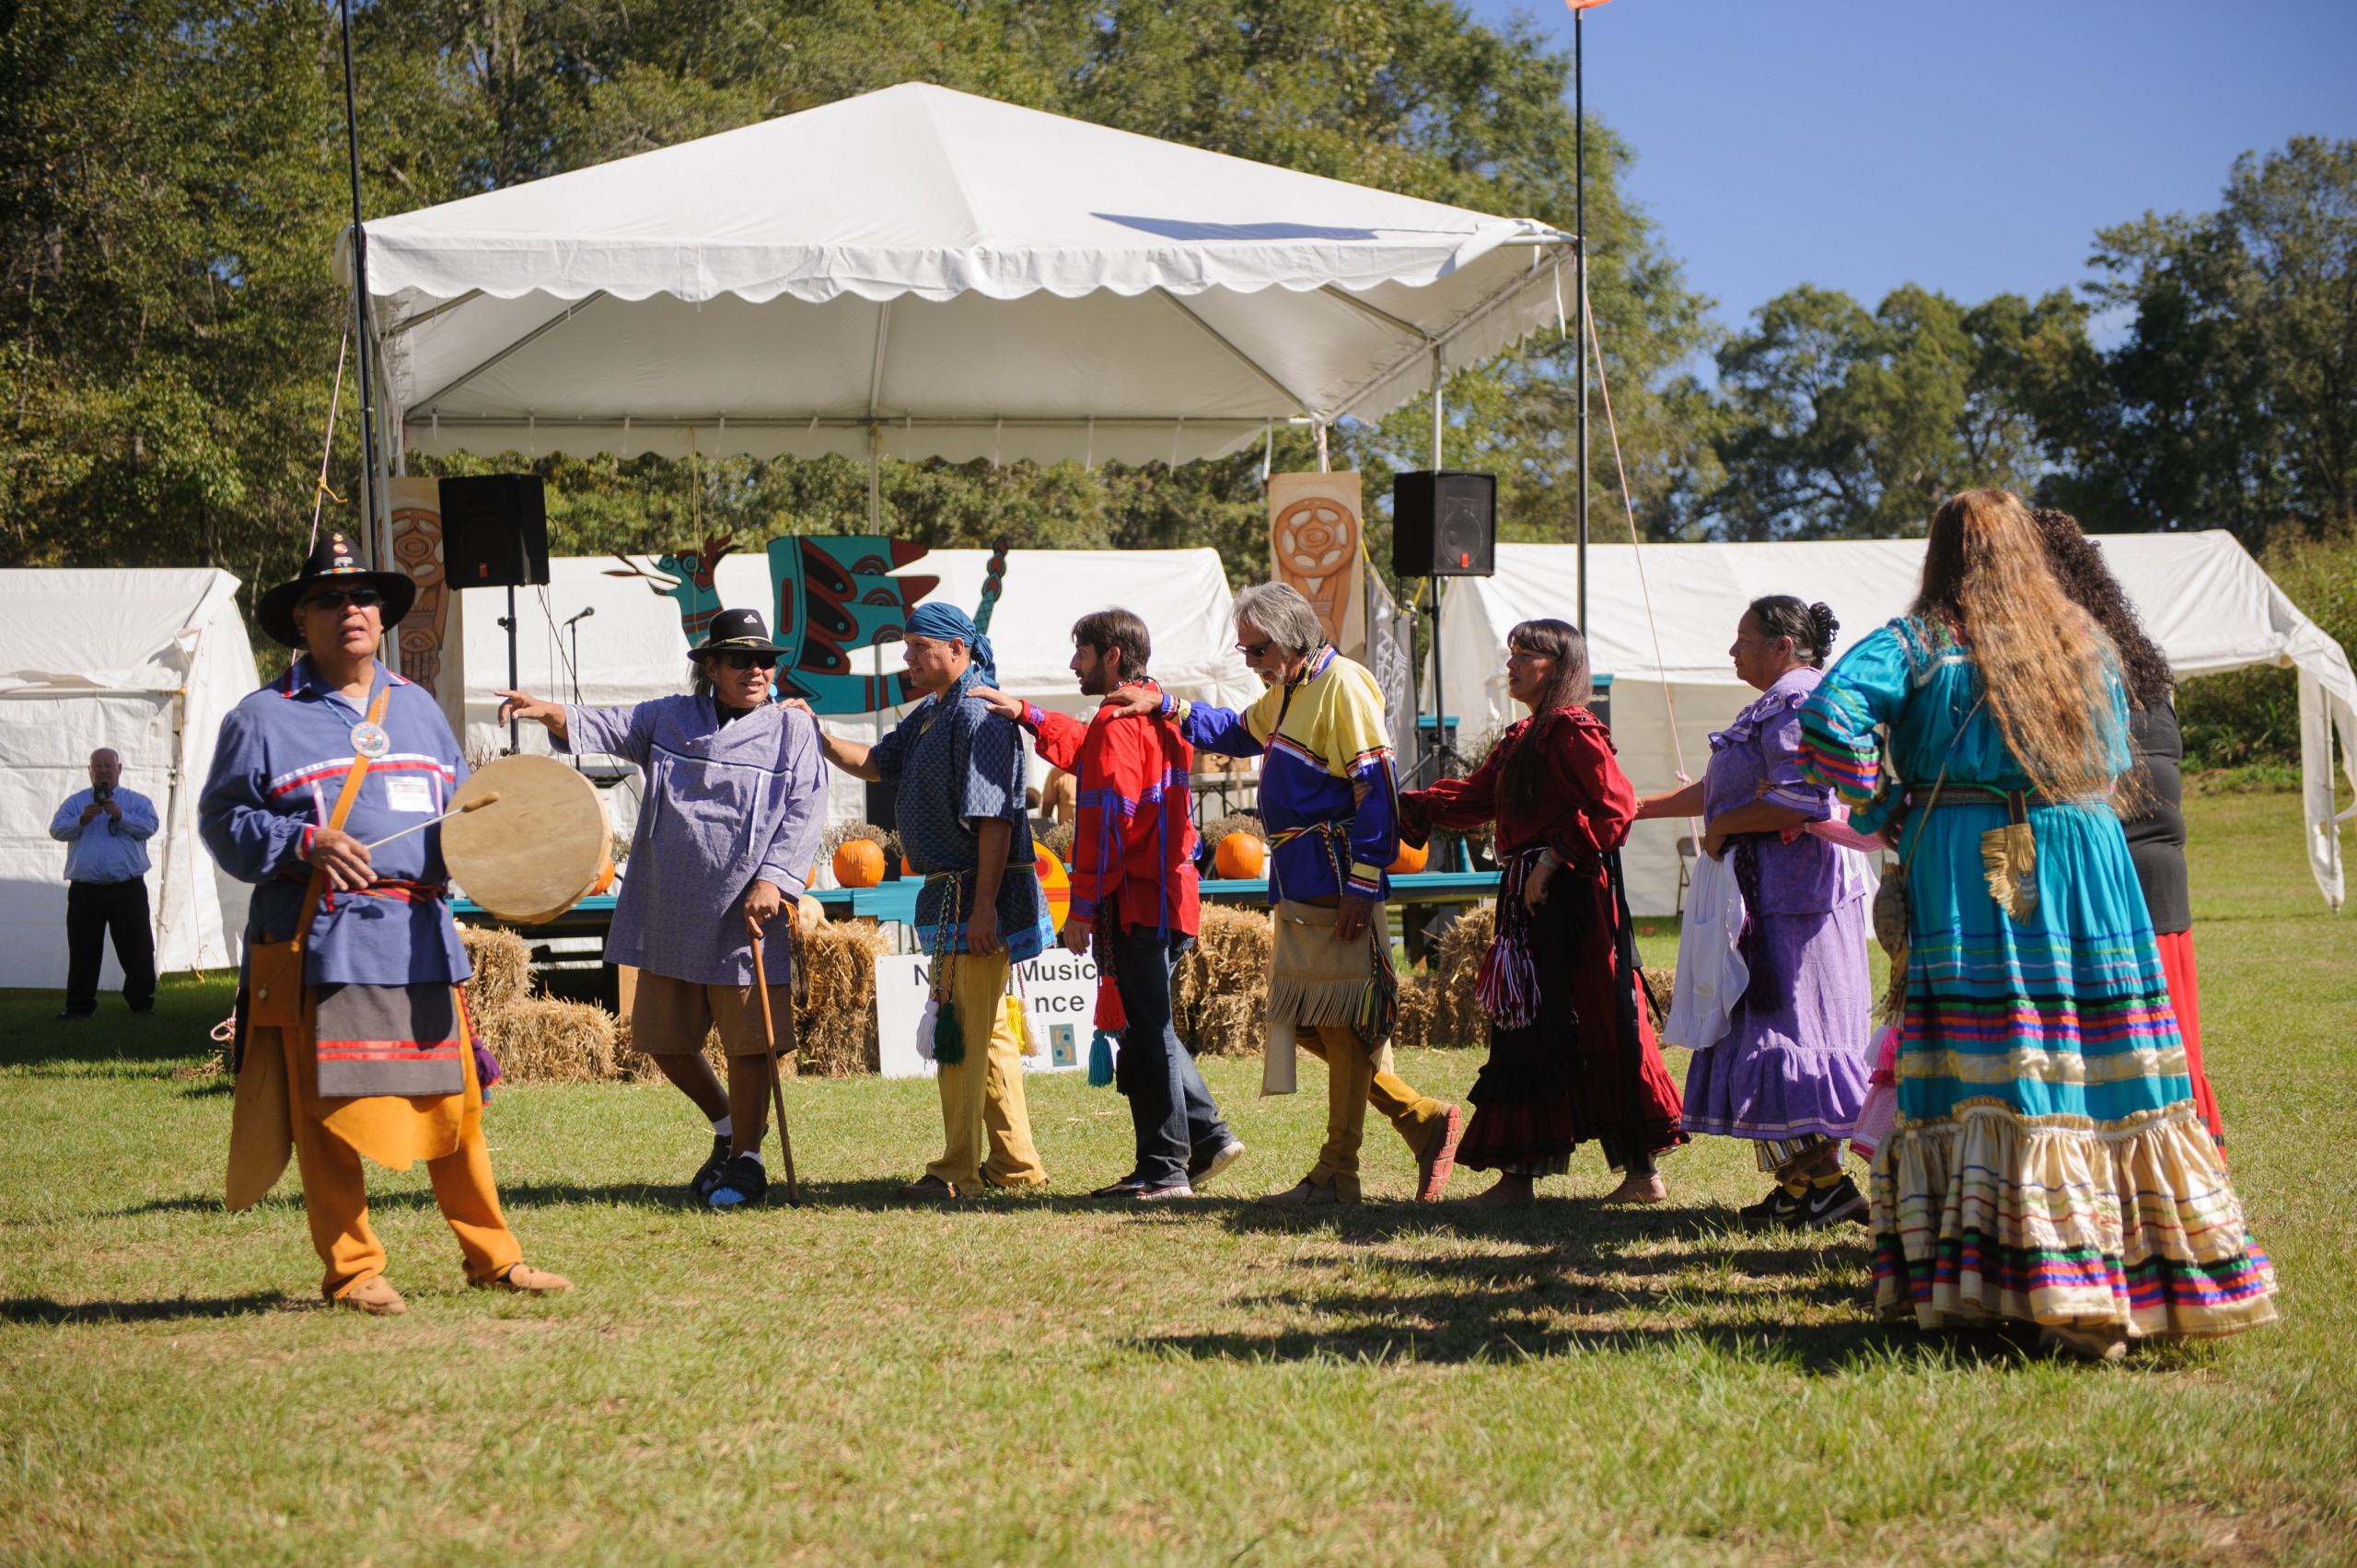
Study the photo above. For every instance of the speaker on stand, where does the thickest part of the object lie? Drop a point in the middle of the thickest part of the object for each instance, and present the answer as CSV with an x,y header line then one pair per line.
x,y
496,534
1444,523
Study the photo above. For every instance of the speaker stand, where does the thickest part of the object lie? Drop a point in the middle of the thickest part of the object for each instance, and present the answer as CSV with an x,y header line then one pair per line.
x,y
507,625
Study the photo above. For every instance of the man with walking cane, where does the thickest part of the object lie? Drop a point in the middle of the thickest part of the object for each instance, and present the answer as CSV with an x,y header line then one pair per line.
x,y
735,801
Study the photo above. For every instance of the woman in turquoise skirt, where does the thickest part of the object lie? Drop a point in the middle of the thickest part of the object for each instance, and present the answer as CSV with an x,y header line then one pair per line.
x,y
2049,1166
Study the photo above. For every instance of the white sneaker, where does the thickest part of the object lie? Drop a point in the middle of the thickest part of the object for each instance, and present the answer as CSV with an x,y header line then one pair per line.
x,y
1202,1171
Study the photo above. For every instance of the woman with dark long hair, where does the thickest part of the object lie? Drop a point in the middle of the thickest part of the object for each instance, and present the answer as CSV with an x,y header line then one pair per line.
x,y
2047,1166
2152,813
1572,1053
1792,1069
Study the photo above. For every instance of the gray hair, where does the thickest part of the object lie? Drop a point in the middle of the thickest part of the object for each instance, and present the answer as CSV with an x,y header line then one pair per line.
x,y
1282,615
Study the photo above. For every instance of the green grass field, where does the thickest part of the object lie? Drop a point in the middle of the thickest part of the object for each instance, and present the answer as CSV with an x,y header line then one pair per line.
x,y
1045,1380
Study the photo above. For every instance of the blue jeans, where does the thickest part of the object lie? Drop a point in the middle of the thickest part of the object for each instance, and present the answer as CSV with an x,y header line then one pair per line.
x,y
1169,1106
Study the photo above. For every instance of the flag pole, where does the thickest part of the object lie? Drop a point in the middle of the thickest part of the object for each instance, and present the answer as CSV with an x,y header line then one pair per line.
x,y
1579,223
375,552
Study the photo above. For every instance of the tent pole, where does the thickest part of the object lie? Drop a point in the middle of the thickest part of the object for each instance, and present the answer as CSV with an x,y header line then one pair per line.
x,y
874,477
1579,208
1437,421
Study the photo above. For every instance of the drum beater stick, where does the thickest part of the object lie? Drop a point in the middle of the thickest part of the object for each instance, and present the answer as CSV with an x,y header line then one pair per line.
x,y
777,1083
488,798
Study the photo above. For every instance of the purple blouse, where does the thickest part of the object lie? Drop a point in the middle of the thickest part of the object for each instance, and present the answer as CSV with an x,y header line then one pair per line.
x,y
1807,875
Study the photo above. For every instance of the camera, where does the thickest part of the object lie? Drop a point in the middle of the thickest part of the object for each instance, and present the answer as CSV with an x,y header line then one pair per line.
x,y
103,793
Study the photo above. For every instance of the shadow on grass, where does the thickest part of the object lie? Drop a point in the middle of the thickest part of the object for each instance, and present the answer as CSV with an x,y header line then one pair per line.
x,y
40,1309
1566,1277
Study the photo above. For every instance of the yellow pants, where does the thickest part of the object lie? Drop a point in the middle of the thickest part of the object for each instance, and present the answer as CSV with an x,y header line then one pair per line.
x,y
982,1095
335,1188
1356,1077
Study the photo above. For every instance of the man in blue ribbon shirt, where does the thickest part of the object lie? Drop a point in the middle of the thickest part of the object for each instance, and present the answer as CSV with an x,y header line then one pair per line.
x,y
105,829
316,782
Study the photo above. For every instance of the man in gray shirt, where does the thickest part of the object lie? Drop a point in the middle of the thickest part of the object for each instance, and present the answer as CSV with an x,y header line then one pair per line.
x,y
105,830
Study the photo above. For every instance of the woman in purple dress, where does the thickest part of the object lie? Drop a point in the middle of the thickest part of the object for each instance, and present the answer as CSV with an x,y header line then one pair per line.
x,y
1792,1069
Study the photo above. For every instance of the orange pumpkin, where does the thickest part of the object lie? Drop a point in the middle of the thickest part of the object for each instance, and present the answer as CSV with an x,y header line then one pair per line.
x,y
1412,859
1055,881
906,869
859,863
1240,858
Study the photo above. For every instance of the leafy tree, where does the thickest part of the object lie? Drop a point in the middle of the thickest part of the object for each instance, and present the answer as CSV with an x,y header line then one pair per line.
x,y
2233,401
171,185
1836,423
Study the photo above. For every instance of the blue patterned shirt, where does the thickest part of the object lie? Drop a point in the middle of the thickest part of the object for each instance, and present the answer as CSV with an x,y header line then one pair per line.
x,y
959,765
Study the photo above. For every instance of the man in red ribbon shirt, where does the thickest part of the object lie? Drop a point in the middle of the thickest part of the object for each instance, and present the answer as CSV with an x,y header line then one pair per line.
x,y
1134,894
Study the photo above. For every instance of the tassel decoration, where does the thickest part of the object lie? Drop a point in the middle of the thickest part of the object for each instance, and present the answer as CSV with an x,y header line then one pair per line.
x,y
1100,1060
925,1022
948,1045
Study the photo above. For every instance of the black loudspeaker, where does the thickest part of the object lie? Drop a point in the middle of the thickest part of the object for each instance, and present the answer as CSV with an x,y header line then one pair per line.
x,y
494,531
1445,524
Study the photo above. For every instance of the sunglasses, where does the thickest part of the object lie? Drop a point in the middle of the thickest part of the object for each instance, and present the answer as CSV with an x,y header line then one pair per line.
x,y
1254,650
363,599
747,661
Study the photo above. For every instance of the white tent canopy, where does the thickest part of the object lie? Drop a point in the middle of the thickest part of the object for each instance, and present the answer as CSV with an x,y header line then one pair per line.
x,y
922,273
145,662
2201,596
633,648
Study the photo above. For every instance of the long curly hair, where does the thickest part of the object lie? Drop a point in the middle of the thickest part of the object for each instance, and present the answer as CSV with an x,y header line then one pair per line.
x,y
2078,564
1525,775
2043,661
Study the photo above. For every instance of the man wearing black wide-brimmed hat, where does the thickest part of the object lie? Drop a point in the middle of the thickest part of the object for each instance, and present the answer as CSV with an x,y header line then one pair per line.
x,y
354,1034
736,800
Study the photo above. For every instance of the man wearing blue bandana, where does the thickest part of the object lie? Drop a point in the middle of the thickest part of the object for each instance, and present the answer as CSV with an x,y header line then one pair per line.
x,y
964,827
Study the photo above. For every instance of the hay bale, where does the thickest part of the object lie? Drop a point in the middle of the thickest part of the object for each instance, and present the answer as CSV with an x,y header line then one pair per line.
x,y
1457,1016
503,974
1419,1002
543,1041
1219,828
1220,995
1660,983
834,1023
1059,841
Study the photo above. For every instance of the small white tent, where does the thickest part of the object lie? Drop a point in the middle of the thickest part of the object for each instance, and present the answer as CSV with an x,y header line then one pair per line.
x,y
145,662
2201,596
633,648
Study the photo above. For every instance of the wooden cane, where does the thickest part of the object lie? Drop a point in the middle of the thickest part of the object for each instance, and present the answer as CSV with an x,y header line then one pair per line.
x,y
777,1081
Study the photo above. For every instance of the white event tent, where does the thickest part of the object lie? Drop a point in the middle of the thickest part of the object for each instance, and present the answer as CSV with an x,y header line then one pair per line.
x,y
145,662
921,272
2201,596
633,648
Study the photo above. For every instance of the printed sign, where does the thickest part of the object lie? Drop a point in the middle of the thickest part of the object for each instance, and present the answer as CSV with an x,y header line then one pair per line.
x,y
1058,991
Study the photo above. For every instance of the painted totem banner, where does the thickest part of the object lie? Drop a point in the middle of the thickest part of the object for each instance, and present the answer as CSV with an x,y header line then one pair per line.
x,y
834,594
1315,529
429,646
830,595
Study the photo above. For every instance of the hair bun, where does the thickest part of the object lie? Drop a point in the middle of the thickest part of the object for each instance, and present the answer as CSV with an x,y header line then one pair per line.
x,y
1820,616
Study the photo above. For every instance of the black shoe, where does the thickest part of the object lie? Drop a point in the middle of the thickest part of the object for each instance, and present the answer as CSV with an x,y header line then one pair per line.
x,y
709,1172
142,1012
1831,1205
1126,1188
70,1014
742,1184
1780,1207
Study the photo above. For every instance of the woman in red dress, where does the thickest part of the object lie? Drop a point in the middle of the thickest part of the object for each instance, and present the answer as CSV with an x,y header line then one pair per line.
x,y
1572,1054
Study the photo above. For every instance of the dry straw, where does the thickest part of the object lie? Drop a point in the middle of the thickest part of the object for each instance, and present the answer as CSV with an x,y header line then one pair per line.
x,y
1220,995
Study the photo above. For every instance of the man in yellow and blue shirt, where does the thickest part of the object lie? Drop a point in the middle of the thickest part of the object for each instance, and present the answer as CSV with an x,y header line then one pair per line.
x,y
1328,803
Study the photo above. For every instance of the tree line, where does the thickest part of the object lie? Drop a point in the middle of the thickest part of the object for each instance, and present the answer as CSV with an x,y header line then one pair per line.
x,y
172,181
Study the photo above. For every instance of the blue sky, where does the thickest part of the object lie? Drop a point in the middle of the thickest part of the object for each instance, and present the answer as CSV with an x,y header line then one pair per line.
x,y
1973,148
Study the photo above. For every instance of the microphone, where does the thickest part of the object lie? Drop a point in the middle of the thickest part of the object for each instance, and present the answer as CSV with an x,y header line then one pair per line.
x,y
582,616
